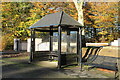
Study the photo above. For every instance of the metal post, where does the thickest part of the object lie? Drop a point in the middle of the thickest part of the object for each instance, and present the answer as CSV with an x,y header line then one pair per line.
x,y
59,47
51,43
80,47
32,50
51,40
33,42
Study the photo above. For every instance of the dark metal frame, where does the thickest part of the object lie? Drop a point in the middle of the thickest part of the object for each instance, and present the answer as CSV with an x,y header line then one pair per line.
x,y
79,45
32,50
59,47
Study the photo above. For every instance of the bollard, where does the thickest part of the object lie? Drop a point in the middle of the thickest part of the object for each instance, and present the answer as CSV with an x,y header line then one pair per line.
x,y
17,45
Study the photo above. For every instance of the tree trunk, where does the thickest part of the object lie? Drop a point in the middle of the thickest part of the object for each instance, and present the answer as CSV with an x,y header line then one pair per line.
x,y
78,6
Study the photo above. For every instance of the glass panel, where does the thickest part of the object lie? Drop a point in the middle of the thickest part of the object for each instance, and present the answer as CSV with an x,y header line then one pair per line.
x,y
42,41
55,41
69,48
73,42
65,39
64,42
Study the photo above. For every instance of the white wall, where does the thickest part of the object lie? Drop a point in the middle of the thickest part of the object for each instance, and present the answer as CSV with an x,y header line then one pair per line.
x,y
37,41
97,44
23,46
116,42
43,46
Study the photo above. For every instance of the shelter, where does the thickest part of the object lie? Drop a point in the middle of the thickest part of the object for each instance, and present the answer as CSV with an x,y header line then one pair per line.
x,y
58,22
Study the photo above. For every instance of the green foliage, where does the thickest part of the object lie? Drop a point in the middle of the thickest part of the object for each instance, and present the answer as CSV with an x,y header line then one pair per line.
x,y
101,15
7,42
18,16
14,18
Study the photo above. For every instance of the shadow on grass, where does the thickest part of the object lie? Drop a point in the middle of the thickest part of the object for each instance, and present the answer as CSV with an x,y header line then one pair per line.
x,y
91,54
93,57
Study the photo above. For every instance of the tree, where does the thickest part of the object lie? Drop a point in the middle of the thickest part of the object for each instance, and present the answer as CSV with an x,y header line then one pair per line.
x,y
18,16
79,7
41,9
14,17
101,15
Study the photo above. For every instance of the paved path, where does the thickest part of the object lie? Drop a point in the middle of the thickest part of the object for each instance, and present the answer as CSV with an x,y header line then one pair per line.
x,y
19,67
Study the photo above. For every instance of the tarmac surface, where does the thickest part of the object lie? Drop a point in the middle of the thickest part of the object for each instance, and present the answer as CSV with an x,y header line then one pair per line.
x,y
18,67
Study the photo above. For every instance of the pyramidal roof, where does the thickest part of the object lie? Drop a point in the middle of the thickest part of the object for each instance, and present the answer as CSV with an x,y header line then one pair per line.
x,y
55,19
